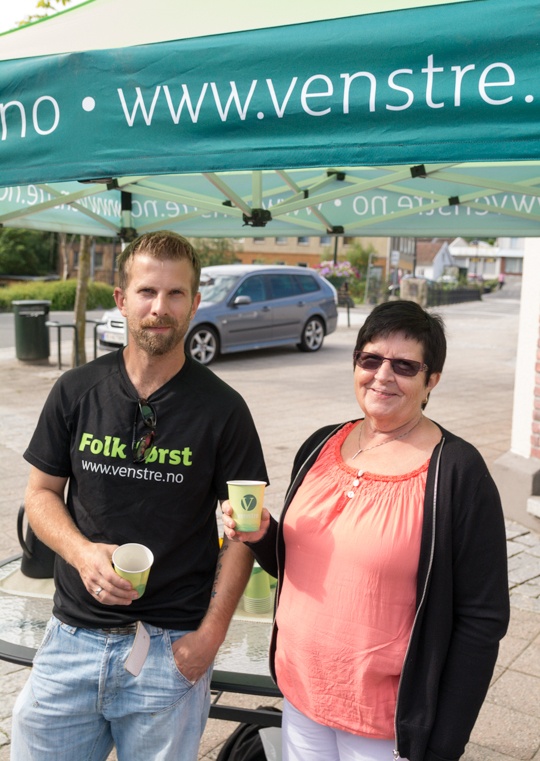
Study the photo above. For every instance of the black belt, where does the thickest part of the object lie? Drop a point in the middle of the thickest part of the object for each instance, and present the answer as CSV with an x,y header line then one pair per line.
x,y
127,629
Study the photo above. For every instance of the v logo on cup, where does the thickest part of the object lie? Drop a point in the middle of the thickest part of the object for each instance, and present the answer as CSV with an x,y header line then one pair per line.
x,y
248,502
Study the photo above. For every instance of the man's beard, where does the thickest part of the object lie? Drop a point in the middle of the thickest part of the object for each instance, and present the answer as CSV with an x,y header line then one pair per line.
x,y
158,344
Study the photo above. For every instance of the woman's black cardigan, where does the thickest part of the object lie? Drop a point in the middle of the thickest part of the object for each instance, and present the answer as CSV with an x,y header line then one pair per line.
x,y
462,607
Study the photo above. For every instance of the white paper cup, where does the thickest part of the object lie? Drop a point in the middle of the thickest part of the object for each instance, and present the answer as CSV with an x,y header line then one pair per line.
x,y
133,562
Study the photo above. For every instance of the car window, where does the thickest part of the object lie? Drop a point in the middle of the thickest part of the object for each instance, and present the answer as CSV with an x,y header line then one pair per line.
x,y
308,284
215,289
283,286
253,287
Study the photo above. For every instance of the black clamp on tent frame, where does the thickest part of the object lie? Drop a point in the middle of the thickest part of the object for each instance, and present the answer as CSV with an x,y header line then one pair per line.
x,y
336,230
454,201
340,176
128,234
419,170
258,218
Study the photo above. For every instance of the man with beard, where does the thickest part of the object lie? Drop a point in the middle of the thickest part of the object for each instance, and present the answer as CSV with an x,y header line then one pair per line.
x,y
136,446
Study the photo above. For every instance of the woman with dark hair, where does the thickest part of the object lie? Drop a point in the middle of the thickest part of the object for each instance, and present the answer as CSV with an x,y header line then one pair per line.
x,y
391,559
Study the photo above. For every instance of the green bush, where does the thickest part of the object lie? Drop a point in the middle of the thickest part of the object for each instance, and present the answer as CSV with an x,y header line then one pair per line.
x,y
357,288
61,294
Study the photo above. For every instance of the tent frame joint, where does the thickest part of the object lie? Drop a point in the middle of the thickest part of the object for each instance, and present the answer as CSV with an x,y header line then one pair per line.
x,y
419,170
257,218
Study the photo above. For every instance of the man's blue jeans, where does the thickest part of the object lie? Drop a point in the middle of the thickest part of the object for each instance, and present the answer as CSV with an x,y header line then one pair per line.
x,y
80,701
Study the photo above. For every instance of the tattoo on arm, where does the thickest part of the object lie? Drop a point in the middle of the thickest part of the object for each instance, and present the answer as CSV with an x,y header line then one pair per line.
x,y
219,566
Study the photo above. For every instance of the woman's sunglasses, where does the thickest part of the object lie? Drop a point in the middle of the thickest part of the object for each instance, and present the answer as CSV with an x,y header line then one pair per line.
x,y
371,362
142,446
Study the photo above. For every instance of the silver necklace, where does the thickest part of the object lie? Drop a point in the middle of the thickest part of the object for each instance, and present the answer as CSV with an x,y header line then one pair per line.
x,y
401,436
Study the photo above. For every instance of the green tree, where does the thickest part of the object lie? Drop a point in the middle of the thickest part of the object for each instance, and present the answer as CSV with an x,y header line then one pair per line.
x,y
27,252
215,251
78,355
44,8
359,257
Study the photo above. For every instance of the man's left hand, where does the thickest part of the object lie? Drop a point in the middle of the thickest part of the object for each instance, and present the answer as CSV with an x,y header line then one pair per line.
x,y
194,653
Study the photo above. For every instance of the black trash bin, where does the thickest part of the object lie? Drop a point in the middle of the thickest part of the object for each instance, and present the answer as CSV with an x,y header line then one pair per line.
x,y
31,331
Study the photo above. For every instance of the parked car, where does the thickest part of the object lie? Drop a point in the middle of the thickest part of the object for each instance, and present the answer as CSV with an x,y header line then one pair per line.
x,y
250,306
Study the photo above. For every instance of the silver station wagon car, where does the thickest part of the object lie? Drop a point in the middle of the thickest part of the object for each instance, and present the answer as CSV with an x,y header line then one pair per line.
x,y
250,306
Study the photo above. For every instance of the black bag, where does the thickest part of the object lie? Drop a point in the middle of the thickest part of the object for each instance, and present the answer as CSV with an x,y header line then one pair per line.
x,y
37,560
244,744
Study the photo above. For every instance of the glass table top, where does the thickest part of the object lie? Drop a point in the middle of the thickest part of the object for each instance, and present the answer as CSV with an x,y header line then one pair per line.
x,y
26,605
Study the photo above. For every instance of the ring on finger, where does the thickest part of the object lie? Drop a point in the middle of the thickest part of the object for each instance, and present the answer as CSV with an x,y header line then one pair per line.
x,y
98,591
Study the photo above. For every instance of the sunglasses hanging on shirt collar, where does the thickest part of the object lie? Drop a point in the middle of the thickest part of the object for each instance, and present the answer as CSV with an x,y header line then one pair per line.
x,y
142,446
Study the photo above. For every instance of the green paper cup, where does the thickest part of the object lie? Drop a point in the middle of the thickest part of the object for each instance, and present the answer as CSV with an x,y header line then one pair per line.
x,y
246,498
258,586
133,562
257,597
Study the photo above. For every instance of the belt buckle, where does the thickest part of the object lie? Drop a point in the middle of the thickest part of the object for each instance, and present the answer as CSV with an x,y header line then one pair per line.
x,y
125,630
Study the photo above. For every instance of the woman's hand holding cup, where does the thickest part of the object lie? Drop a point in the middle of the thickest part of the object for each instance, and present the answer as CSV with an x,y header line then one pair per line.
x,y
229,525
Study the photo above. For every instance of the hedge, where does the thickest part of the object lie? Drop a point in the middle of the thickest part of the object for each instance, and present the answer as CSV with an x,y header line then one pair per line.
x,y
61,294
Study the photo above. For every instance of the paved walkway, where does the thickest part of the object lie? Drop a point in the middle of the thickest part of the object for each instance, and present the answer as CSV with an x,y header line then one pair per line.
x,y
290,394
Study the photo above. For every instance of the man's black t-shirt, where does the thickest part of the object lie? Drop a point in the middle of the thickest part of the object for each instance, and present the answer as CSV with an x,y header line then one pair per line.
x,y
204,436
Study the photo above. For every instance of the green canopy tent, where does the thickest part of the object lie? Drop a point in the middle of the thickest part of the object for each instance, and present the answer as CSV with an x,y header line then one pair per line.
x,y
386,118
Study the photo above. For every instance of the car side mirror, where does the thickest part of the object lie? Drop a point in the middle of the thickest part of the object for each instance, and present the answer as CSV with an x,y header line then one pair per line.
x,y
241,301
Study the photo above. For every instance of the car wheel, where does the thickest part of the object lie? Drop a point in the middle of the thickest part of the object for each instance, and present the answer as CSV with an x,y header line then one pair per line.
x,y
202,344
312,335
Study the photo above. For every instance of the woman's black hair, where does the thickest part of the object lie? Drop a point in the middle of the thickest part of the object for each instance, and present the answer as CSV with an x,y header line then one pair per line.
x,y
410,319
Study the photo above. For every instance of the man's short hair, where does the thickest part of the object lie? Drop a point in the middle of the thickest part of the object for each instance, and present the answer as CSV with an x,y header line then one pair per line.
x,y
162,245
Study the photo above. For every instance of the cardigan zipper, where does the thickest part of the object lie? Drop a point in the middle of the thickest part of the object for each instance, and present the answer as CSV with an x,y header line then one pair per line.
x,y
424,590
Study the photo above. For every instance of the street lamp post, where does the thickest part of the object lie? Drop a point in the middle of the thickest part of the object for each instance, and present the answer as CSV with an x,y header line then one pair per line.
x,y
367,277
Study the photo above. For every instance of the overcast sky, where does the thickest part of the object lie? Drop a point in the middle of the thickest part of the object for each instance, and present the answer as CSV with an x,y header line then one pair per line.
x,y
13,11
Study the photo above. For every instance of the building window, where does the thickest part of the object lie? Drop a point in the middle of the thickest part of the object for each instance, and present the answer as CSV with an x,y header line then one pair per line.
x,y
348,240
303,240
513,266
281,240
259,240
489,269
325,240
405,246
